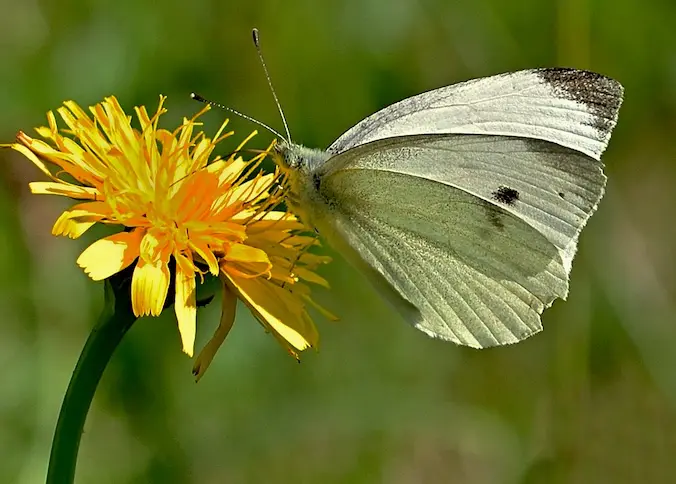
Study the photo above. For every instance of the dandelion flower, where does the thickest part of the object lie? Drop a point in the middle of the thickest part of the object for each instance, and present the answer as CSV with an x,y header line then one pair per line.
x,y
184,214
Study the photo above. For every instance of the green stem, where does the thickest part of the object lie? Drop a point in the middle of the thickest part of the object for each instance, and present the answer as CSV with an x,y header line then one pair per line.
x,y
115,320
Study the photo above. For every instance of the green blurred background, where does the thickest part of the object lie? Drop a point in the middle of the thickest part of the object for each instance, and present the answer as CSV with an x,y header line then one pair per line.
x,y
589,400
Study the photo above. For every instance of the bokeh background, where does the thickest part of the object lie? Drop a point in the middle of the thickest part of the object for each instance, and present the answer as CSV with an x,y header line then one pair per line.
x,y
589,400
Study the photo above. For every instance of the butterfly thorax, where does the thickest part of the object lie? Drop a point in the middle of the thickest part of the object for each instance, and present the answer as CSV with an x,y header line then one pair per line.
x,y
301,165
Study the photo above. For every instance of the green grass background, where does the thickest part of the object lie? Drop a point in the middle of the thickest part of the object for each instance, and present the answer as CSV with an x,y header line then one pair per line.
x,y
589,400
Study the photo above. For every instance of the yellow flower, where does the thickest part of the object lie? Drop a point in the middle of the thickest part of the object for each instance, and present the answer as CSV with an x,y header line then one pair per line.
x,y
175,203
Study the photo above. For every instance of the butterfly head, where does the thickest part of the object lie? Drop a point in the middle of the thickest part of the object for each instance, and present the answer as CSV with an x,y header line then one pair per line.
x,y
301,167
291,157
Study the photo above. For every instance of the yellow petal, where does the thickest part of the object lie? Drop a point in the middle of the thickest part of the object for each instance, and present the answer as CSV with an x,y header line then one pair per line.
x,y
77,220
186,307
149,287
275,221
253,190
314,260
247,261
30,155
44,131
64,189
110,255
228,307
207,255
277,309
224,229
246,253
193,195
310,276
69,225
227,171
70,228
154,245
323,311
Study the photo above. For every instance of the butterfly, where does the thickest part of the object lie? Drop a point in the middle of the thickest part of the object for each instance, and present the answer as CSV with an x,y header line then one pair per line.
x,y
463,205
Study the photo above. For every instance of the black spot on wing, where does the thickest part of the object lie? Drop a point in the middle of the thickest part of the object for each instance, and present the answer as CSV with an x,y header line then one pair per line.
x,y
506,195
562,195
601,94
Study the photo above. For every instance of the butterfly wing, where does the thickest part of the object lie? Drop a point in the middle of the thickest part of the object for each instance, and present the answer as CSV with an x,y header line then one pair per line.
x,y
477,233
573,108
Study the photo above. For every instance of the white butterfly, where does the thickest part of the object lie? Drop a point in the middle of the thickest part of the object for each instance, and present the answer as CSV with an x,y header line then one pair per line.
x,y
463,205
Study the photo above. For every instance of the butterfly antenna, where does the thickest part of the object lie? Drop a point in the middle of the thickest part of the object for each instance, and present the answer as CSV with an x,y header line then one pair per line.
x,y
201,99
257,43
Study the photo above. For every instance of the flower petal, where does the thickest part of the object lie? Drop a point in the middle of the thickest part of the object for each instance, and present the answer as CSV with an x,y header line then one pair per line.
x,y
110,255
324,312
228,308
246,253
275,221
227,171
310,276
26,151
78,219
252,190
186,307
154,246
64,189
149,287
277,309
71,228
250,261
203,250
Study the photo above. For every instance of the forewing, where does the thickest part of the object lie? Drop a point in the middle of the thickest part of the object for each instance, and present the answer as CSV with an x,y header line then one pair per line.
x,y
477,232
573,108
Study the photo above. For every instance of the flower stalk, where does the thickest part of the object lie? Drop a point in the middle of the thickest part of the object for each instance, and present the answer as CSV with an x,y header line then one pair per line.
x,y
115,320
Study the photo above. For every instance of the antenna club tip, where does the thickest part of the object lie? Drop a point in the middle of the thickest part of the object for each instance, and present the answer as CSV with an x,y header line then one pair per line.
x,y
197,97
254,34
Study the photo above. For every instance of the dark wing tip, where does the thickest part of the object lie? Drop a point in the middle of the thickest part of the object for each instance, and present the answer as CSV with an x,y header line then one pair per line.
x,y
602,95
